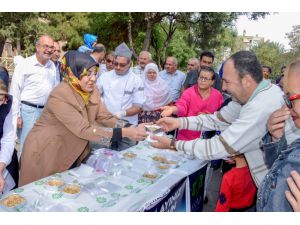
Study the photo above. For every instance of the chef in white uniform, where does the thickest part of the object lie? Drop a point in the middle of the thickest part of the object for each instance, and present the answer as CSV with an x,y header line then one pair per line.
x,y
122,91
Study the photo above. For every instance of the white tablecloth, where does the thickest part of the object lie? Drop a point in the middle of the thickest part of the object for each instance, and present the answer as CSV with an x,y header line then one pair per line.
x,y
127,191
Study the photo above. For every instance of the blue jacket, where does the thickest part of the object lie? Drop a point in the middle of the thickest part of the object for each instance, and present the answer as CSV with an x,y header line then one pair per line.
x,y
282,159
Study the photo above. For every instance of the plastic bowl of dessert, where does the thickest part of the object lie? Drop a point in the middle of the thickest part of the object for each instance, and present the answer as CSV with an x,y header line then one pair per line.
x,y
71,190
13,202
162,167
129,155
54,184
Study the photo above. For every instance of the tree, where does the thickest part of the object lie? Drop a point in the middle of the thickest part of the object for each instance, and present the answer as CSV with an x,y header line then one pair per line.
x,y
270,54
294,40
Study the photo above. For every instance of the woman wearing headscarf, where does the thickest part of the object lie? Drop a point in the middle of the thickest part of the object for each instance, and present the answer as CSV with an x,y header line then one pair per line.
x,y
90,41
157,94
73,116
9,170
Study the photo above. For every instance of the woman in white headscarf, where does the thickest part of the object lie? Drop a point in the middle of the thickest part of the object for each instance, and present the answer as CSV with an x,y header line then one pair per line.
x,y
157,94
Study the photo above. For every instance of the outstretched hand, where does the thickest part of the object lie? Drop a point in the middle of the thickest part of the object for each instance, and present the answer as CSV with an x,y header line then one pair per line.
x,y
168,123
135,133
162,142
166,111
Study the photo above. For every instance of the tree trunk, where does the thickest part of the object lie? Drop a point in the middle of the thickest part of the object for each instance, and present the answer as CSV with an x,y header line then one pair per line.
x,y
147,39
169,33
130,35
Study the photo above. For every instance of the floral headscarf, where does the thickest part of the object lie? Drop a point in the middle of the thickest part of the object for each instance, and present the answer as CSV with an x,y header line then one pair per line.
x,y
157,92
74,66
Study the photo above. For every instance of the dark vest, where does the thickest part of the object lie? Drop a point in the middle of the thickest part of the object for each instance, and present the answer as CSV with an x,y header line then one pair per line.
x,y
4,110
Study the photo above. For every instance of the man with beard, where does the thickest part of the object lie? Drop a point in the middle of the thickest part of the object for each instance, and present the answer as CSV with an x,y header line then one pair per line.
x,y
206,60
242,122
32,81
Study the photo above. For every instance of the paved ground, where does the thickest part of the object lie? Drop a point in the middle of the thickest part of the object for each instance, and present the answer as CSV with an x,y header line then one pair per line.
x,y
213,191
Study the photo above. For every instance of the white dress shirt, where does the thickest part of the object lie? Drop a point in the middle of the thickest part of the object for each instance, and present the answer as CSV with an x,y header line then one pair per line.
x,y
32,82
121,92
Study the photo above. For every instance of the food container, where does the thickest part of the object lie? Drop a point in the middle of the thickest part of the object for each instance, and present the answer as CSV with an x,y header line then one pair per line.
x,y
159,158
169,159
129,155
173,161
153,129
54,184
162,167
13,202
71,190
151,174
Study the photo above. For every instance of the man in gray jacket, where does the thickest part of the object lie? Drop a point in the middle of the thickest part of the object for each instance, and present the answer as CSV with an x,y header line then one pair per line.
x,y
242,121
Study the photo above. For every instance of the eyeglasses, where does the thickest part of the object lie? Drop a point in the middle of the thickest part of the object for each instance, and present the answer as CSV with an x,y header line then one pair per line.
x,y
204,79
122,65
47,47
109,61
191,64
288,100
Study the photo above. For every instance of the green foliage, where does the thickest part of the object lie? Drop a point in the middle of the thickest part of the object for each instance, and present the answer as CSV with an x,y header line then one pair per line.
x,y
181,34
180,49
294,40
270,54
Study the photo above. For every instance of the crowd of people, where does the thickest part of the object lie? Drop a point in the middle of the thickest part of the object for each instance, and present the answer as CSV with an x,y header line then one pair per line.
x,y
61,107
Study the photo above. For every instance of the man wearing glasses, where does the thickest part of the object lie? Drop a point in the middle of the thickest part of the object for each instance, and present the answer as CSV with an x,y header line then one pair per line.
x,y
280,190
122,90
32,81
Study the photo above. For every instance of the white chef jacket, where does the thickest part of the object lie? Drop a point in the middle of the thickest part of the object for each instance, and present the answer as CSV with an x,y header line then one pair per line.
x,y
121,92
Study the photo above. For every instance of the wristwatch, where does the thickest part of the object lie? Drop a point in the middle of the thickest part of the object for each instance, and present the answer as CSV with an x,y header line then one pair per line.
x,y
172,144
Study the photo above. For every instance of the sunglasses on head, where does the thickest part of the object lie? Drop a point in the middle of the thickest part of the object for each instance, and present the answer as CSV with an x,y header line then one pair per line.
x,y
288,100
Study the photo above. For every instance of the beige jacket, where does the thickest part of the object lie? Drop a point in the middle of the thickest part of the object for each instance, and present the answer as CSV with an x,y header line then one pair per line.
x,y
62,133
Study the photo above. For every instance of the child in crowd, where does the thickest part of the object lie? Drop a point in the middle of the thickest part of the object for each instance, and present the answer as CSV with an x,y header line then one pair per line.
x,y
238,190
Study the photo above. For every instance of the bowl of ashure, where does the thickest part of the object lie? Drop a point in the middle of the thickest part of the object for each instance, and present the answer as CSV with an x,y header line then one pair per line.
x,y
153,129
71,190
12,202
150,175
129,155
54,184
162,167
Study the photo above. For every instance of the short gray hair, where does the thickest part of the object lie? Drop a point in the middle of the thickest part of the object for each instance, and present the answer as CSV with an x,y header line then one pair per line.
x,y
38,40
175,61
147,53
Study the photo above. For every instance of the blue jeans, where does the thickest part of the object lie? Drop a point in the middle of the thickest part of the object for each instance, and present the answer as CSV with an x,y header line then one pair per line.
x,y
29,116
